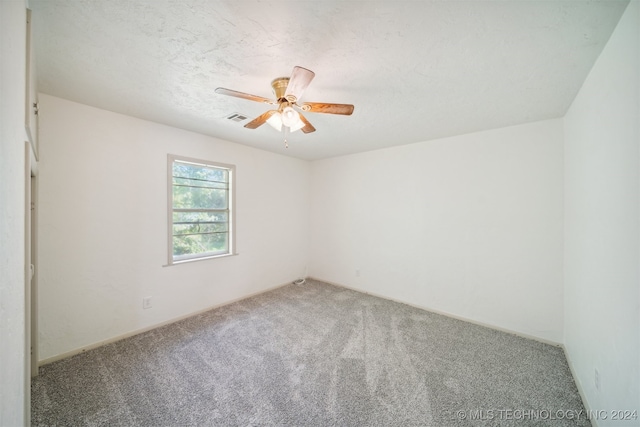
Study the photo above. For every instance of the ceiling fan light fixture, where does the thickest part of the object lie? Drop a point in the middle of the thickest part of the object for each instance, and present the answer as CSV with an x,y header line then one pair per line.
x,y
275,121
290,116
299,124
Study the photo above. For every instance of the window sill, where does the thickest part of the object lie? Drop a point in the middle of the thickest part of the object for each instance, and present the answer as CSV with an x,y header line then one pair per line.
x,y
187,261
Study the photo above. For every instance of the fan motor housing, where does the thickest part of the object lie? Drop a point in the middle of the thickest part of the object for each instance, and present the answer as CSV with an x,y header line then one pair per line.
x,y
279,86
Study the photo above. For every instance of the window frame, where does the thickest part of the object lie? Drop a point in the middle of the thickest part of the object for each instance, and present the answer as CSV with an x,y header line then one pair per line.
x,y
231,209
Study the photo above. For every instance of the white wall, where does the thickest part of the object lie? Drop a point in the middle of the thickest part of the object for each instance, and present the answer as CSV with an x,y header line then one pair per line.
x,y
602,224
470,226
102,219
12,202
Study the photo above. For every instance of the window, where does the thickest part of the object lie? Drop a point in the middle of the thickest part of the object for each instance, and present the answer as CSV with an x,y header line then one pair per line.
x,y
200,209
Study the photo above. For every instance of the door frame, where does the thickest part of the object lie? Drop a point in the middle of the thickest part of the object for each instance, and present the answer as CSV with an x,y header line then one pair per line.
x,y
30,284
34,278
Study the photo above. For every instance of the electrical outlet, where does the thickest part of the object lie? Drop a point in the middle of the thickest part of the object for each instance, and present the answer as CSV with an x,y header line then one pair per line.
x,y
146,302
358,273
596,380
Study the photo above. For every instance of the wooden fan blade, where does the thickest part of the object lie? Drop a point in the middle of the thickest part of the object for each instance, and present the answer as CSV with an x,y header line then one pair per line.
x,y
321,107
308,127
229,92
260,120
298,82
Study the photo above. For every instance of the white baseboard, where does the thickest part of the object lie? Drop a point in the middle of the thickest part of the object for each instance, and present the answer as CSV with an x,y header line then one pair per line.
x,y
149,328
444,313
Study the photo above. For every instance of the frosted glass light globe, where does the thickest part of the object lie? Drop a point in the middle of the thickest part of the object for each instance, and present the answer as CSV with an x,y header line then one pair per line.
x,y
290,116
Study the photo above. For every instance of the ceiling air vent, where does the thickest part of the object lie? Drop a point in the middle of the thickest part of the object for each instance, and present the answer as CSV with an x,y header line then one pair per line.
x,y
237,117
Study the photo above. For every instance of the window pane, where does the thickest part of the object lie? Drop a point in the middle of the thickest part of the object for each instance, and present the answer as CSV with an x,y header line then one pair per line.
x,y
203,217
185,170
191,182
199,228
199,198
202,244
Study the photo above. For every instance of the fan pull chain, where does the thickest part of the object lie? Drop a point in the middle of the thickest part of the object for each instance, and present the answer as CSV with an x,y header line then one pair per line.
x,y
285,131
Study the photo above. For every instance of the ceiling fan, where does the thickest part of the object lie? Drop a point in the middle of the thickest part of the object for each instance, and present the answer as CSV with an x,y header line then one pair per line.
x,y
288,91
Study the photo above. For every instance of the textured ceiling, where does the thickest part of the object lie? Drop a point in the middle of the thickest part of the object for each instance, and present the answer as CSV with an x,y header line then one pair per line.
x,y
415,70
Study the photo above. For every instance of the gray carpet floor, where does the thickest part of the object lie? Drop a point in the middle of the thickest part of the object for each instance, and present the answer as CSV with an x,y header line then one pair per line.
x,y
312,355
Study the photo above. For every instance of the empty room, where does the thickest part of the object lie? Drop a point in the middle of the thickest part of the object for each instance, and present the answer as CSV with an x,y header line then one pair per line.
x,y
330,213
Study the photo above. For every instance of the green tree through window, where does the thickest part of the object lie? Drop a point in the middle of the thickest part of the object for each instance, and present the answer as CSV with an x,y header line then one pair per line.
x,y
201,220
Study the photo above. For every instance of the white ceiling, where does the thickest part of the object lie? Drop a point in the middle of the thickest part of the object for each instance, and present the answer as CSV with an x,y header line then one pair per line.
x,y
415,70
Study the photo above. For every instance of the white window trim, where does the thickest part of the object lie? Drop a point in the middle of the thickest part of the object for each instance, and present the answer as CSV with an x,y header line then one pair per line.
x,y
232,209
